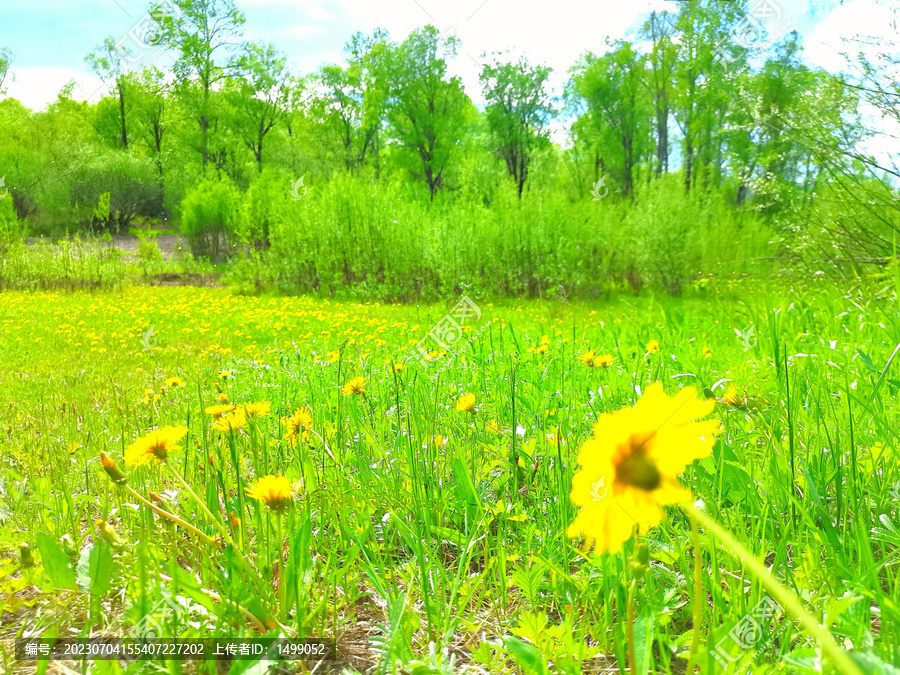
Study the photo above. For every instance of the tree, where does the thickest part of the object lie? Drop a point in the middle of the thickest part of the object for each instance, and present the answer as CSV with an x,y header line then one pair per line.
x,y
202,34
263,91
426,109
518,110
6,59
659,28
107,63
615,96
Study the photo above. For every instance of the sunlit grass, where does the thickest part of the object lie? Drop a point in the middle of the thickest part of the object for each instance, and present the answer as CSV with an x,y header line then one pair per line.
x,y
418,514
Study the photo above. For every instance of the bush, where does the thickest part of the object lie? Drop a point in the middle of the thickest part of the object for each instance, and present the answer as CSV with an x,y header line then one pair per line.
x,y
210,217
11,229
131,181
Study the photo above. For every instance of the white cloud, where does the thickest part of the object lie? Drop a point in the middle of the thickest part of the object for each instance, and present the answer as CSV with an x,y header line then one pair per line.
x,y
37,86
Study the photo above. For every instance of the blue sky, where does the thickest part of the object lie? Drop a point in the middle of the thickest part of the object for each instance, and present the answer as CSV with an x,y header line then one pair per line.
x,y
50,38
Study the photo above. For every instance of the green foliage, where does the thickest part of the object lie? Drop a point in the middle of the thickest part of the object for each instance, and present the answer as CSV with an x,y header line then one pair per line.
x,y
210,216
11,229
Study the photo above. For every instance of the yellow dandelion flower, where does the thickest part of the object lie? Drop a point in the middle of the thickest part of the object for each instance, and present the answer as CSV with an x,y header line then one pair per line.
x,y
731,396
174,382
155,446
276,491
629,467
232,422
588,357
333,357
603,360
540,349
219,410
707,352
223,398
652,347
260,409
296,426
225,374
398,367
466,403
355,387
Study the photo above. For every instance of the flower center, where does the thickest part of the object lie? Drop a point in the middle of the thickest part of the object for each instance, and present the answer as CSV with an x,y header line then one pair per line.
x,y
160,450
634,465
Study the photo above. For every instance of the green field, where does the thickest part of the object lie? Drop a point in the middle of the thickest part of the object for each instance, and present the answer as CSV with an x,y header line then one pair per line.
x,y
418,533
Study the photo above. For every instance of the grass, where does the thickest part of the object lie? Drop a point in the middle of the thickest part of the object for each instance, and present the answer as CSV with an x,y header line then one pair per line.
x,y
433,539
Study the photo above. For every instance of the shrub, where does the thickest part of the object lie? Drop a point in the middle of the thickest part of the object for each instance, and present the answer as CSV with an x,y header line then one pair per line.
x,y
11,229
210,216
131,181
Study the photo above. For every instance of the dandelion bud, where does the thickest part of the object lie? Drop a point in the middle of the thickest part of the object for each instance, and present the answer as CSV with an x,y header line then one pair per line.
x,y
114,472
642,554
234,521
159,501
212,461
25,554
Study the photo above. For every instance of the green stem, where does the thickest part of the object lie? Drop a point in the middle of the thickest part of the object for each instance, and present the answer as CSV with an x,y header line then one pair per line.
x,y
629,628
699,595
788,600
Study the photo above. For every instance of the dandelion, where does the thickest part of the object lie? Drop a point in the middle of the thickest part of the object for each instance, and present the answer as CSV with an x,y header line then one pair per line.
x,y
355,387
109,465
155,446
220,410
223,398
225,374
540,349
603,360
276,491
260,409
234,421
466,403
731,396
629,467
109,534
707,352
398,367
652,347
588,357
296,426
174,382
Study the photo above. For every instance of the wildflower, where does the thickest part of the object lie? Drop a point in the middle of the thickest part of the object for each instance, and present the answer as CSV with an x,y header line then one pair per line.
x,y
174,382
261,409
466,403
220,410
629,467
333,357
355,387
603,360
652,347
155,446
223,398
588,357
398,367
232,422
109,534
731,396
439,441
296,426
707,352
109,465
225,374
540,349
276,491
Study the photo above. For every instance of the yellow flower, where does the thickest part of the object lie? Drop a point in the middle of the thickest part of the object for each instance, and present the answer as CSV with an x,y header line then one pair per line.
x,y
466,403
355,387
398,367
333,357
276,491
439,441
233,421
731,396
155,446
707,352
629,467
603,360
219,410
261,409
223,398
540,349
588,358
296,426
174,382
653,346
225,374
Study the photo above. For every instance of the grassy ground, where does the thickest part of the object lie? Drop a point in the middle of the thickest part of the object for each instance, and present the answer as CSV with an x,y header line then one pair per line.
x,y
422,534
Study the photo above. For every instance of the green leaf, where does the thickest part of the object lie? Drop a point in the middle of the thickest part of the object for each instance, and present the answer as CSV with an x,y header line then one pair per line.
x,y
56,563
526,656
95,568
867,360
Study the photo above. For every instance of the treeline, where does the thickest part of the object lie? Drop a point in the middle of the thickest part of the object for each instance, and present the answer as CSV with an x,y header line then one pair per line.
x,y
691,135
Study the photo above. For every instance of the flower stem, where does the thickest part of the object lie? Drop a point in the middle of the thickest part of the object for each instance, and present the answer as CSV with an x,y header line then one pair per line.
x,y
699,596
629,628
788,600
175,519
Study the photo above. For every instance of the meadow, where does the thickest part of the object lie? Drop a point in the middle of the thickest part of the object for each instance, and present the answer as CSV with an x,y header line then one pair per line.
x,y
419,512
